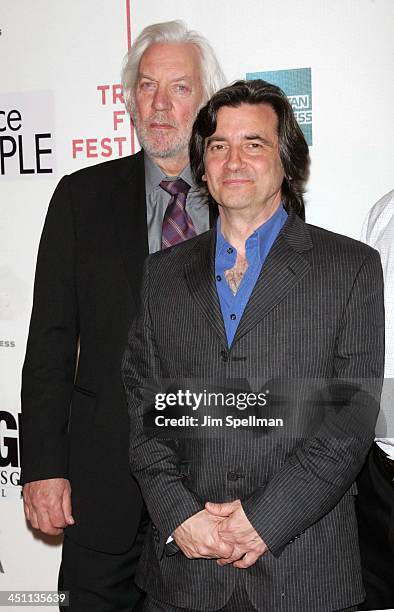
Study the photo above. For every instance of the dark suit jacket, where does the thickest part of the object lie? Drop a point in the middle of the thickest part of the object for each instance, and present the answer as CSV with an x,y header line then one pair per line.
x,y
86,291
312,333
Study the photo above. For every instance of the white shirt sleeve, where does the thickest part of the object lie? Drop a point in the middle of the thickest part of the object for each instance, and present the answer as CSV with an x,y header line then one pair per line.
x,y
378,232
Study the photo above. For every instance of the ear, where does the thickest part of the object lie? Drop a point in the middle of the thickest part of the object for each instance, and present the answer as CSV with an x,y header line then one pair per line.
x,y
204,177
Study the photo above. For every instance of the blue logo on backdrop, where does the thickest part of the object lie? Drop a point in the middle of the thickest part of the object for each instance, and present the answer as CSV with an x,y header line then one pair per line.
x,y
297,85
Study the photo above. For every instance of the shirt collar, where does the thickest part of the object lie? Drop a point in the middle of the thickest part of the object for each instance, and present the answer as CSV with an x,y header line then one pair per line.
x,y
154,175
259,237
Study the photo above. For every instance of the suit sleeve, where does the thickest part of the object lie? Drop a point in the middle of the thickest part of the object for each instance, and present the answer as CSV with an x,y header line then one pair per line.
x,y
153,461
51,355
321,470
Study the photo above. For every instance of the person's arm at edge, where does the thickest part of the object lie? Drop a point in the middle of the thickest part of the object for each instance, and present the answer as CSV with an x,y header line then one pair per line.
x,y
49,368
153,463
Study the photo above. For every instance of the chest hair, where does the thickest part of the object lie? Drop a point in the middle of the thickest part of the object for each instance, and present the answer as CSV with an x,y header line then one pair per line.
x,y
235,274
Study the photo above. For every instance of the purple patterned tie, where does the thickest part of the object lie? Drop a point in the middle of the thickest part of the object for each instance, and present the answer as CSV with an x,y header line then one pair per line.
x,y
177,225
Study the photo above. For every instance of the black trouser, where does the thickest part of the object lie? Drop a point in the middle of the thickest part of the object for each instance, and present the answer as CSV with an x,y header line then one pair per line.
x,y
98,581
238,602
375,514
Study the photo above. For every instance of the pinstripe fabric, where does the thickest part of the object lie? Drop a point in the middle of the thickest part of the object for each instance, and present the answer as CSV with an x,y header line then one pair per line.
x,y
316,314
239,601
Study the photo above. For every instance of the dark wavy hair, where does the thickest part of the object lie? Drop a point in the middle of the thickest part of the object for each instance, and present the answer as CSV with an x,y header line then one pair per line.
x,y
293,149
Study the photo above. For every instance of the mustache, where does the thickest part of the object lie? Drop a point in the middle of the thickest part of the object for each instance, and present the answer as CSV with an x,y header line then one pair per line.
x,y
159,117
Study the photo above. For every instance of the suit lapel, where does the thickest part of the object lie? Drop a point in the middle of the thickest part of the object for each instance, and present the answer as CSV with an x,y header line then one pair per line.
x,y
200,279
284,267
129,203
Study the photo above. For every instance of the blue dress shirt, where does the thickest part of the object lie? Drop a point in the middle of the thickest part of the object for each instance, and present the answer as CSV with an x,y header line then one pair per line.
x,y
258,246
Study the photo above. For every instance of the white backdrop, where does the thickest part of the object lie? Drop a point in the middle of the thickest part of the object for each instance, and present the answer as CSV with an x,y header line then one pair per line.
x,y
60,110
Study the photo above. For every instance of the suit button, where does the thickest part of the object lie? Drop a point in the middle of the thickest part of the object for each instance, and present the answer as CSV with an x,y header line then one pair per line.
x,y
224,355
232,476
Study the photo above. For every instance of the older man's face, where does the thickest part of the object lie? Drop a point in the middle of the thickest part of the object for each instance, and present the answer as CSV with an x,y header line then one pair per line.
x,y
167,98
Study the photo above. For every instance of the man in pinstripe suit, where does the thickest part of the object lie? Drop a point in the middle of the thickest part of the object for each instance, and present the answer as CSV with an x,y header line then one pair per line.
x,y
258,517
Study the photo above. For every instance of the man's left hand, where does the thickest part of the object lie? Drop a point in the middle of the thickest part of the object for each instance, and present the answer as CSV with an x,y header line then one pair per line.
x,y
239,532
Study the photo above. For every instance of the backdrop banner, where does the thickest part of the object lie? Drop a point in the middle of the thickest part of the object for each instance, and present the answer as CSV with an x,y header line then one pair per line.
x,y
62,108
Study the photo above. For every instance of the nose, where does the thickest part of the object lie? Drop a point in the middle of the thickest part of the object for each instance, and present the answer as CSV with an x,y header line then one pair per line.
x,y
161,100
234,161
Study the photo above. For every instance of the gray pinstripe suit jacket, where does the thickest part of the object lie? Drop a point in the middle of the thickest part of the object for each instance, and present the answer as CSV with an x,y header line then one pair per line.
x,y
313,326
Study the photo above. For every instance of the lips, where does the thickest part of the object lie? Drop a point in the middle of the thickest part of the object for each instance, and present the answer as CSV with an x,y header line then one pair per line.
x,y
161,126
158,121
236,182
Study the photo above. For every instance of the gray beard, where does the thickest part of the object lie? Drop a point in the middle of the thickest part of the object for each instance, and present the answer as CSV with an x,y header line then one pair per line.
x,y
179,144
163,152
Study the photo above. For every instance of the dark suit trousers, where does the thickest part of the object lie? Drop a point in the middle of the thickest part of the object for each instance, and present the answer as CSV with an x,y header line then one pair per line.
x,y
375,514
238,602
99,581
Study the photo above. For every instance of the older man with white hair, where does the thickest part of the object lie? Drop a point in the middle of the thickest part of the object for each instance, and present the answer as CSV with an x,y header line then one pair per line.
x,y
101,224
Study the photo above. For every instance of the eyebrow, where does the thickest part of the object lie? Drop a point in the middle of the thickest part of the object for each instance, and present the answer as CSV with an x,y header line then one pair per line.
x,y
257,137
184,77
251,136
214,139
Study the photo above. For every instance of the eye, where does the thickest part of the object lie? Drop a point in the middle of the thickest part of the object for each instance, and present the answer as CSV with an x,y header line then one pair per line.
x,y
147,86
254,145
217,147
181,88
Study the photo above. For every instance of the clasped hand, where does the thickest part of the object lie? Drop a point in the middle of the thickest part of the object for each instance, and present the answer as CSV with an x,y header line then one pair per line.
x,y
222,532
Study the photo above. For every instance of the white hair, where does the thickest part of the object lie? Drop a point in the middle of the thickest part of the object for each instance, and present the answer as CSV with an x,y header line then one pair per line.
x,y
212,75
